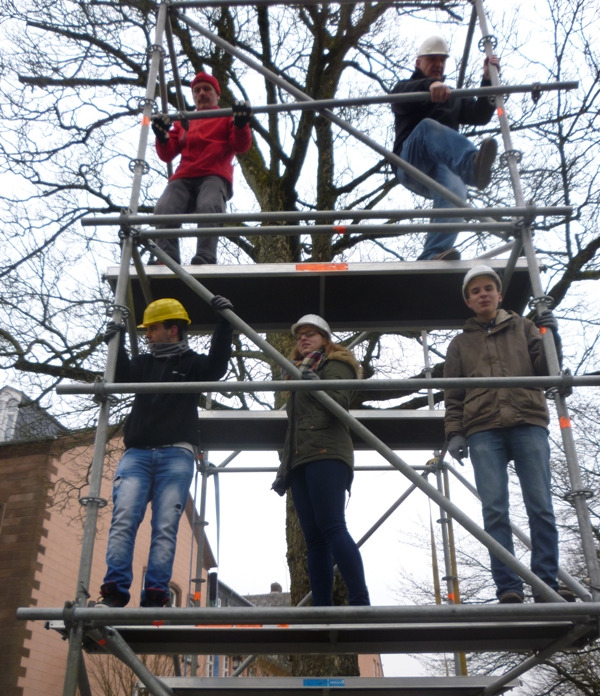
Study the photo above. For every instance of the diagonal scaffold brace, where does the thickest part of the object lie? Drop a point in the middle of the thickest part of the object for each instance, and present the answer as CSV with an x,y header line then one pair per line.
x,y
499,551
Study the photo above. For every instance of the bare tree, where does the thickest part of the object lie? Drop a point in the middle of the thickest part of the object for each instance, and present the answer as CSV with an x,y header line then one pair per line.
x,y
73,75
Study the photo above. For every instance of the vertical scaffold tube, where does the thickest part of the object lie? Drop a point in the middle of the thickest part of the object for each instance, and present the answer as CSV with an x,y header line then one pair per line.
x,y
93,500
365,434
578,492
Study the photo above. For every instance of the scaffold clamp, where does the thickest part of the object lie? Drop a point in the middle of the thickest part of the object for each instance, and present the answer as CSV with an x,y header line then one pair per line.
x,y
156,47
504,157
143,102
536,92
585,493
185,122
124,226
141,163
488,39
529,218
548,300
87,499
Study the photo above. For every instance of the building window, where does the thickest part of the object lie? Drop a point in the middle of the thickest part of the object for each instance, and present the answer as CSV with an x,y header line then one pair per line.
x,y
210,665
226,664
175,595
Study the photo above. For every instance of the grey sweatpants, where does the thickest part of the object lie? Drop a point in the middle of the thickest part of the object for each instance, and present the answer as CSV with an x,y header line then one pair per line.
x,y
204,194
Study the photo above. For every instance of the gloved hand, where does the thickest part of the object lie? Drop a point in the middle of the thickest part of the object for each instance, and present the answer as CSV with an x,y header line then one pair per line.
x,y
458,448
309,374
220,303
161,125
242,111
112,328
547,320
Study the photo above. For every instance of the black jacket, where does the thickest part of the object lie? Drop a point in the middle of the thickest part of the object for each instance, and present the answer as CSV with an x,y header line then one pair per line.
x,y
451,113
162,419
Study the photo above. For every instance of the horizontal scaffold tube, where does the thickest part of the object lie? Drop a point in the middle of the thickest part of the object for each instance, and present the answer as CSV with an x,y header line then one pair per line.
x,y
411,385
217,471
300,215
318,104
287,230
248,616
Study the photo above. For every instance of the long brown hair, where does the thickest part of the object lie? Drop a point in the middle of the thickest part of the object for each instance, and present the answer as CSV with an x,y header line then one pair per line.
x,y
334,351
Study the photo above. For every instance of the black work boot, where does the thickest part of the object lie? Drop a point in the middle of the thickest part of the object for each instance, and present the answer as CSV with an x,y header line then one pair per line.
x,y
483,161
153,597
111,597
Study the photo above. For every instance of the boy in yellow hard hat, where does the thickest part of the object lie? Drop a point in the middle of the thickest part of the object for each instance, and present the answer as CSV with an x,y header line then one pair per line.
x,y
160,435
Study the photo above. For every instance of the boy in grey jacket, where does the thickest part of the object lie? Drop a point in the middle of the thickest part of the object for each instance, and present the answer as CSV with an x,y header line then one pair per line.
x,y
496,426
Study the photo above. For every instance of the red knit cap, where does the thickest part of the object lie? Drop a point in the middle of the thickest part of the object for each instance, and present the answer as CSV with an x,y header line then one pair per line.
x,y
205,77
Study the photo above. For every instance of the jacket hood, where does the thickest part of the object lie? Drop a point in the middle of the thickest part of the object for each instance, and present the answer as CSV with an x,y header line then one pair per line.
x,y
339,352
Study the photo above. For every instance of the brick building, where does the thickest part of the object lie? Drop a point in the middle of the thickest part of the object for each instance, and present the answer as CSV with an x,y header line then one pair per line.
x,y
42,474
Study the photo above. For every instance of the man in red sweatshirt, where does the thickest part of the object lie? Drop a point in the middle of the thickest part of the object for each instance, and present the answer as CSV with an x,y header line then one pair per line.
x,y
202,182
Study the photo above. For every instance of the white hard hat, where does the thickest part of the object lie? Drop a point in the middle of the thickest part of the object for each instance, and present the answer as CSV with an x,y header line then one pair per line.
x,y
434,46
313,320
477,271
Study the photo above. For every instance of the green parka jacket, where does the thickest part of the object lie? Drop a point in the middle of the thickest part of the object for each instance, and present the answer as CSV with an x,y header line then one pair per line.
x,y
513,347
313,431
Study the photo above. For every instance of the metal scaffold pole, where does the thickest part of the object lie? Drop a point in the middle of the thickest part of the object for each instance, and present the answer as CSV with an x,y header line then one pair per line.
x,y
578,495
93,502
365,434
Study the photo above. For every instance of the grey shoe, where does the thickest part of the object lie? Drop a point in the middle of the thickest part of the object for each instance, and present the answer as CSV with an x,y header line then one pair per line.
x,y
200,260
483,161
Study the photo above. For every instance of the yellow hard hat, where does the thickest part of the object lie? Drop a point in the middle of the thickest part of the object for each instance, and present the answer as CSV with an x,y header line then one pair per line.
x,y
163,310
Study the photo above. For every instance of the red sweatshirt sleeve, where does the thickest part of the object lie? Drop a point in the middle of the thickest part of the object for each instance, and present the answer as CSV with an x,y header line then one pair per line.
x,y
240,139
169,150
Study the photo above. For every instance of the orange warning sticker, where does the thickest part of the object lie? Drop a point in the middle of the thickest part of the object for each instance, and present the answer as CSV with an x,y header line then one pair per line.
x,y
158,623
500,111
145,121
248,625
283,625
197,596
321,266
543,330
340,229
451,597
101,642
564,422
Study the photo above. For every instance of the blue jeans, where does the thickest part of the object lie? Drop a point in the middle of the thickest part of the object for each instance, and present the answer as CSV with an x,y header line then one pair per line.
x,y
319,493
526,445
163,476
447,157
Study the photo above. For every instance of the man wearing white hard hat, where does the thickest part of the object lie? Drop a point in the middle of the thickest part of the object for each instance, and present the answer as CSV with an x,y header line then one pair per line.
x,y
496,426
427,137
160,437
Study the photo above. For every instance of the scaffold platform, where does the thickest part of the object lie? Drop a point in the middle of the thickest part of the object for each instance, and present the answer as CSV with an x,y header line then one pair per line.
x,y
351,686
390,296
265,430
359,638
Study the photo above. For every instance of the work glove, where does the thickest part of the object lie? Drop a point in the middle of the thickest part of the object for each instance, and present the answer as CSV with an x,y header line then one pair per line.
x,y
219,303
458,448
547,320
242,111
161,125
309,374
112,328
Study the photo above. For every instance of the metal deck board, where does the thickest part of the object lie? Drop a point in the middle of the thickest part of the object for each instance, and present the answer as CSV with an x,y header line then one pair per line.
x,y
337,639
351,686
265,430
358,296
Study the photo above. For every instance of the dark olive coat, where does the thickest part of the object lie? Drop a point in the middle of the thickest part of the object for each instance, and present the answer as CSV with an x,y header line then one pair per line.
x,y
313,431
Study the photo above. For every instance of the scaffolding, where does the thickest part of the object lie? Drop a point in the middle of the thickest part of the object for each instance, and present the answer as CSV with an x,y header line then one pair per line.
x,y
541,628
